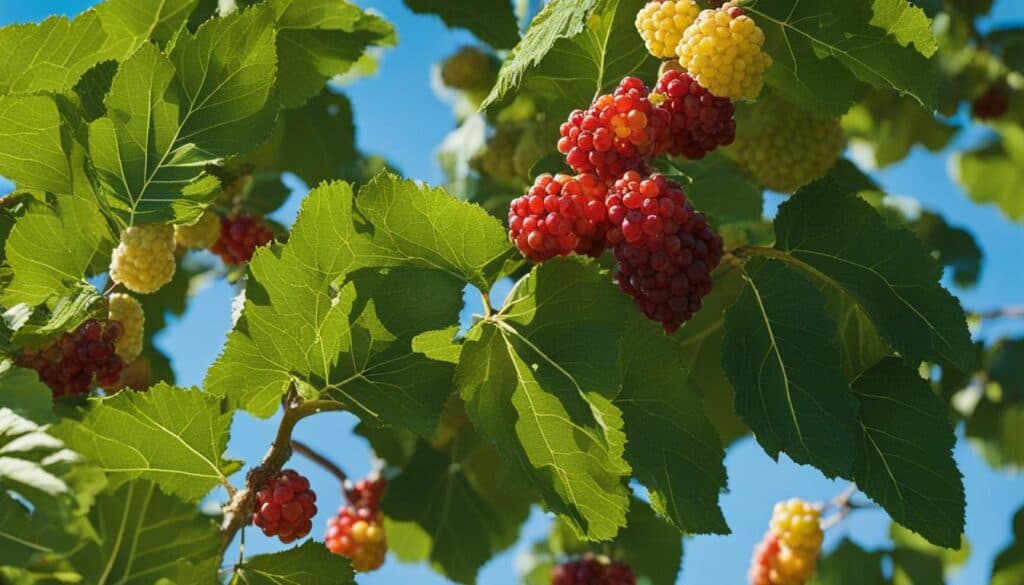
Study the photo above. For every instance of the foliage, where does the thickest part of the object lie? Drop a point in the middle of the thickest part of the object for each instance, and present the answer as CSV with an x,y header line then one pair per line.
x,y
829,335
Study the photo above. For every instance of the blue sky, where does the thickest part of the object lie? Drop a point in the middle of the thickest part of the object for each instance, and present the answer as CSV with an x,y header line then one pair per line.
x,y
397,114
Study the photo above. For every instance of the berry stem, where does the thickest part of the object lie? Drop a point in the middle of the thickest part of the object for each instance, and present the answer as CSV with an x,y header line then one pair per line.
x,y
321,460
843,505
238,510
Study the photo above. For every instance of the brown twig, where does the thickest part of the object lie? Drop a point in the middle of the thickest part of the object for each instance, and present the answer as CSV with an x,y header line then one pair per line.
x,y
321,460
238,510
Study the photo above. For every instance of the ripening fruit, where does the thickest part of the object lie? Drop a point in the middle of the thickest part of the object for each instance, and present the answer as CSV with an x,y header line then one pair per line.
x,y
144,259
200,235
722,50
240,235
784,147
798,524
469,69
357,532
666,251
661,23
78,359
590,570
558,216
619,132
285,506
788,553
497,159
992,104
701,122
126,310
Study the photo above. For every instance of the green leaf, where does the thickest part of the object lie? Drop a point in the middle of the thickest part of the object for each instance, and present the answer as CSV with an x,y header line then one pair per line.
x,y
850,564
50,56
950,558
954,247
821,50
912,567
144,536
169,116
492,21
318,39
650,546
459,503
419,226
168,435
672,447
36,327
904,459
24,394
718,188
34,152
52,246
131,23
573,51
779,353
543,397
356,343
1006,367
308,564
890,125
994,173
1008,568
839,239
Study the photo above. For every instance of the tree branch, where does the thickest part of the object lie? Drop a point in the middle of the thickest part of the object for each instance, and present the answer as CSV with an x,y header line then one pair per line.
x,y
308,452
238,510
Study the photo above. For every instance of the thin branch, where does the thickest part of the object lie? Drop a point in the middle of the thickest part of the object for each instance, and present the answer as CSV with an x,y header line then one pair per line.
x,y
843,505
486,300
308,452
238,510
1016,312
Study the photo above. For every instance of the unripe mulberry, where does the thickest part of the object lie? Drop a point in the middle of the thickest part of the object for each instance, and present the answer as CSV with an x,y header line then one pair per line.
x,y
285,506
666,251
78,359
722,49
240,235
497,159
590,570
788,553
128,311
144,259
784,147
558,216
661,23
993,104
701,122
798,525
201,234
619,132
469,69
357,532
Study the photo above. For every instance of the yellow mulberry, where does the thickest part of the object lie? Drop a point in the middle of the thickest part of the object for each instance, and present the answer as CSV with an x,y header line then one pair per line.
x,y
788,553
201,234
722,51
798,525
144,259
784,147
661,23
126,310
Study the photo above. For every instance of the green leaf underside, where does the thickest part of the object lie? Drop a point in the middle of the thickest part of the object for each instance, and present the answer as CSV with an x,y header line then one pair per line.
x,y
573,51
779,353
837,237
301,324
649,545
823,49
170,115
672,447
492,21
308,564
544,398
904,459
994,173
144,536
458,502
171,436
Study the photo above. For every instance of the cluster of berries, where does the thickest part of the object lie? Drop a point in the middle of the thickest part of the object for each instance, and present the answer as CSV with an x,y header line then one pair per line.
x,y
666,250
720,47
591,570
788,553
357,532
285,506
79,359
234,238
